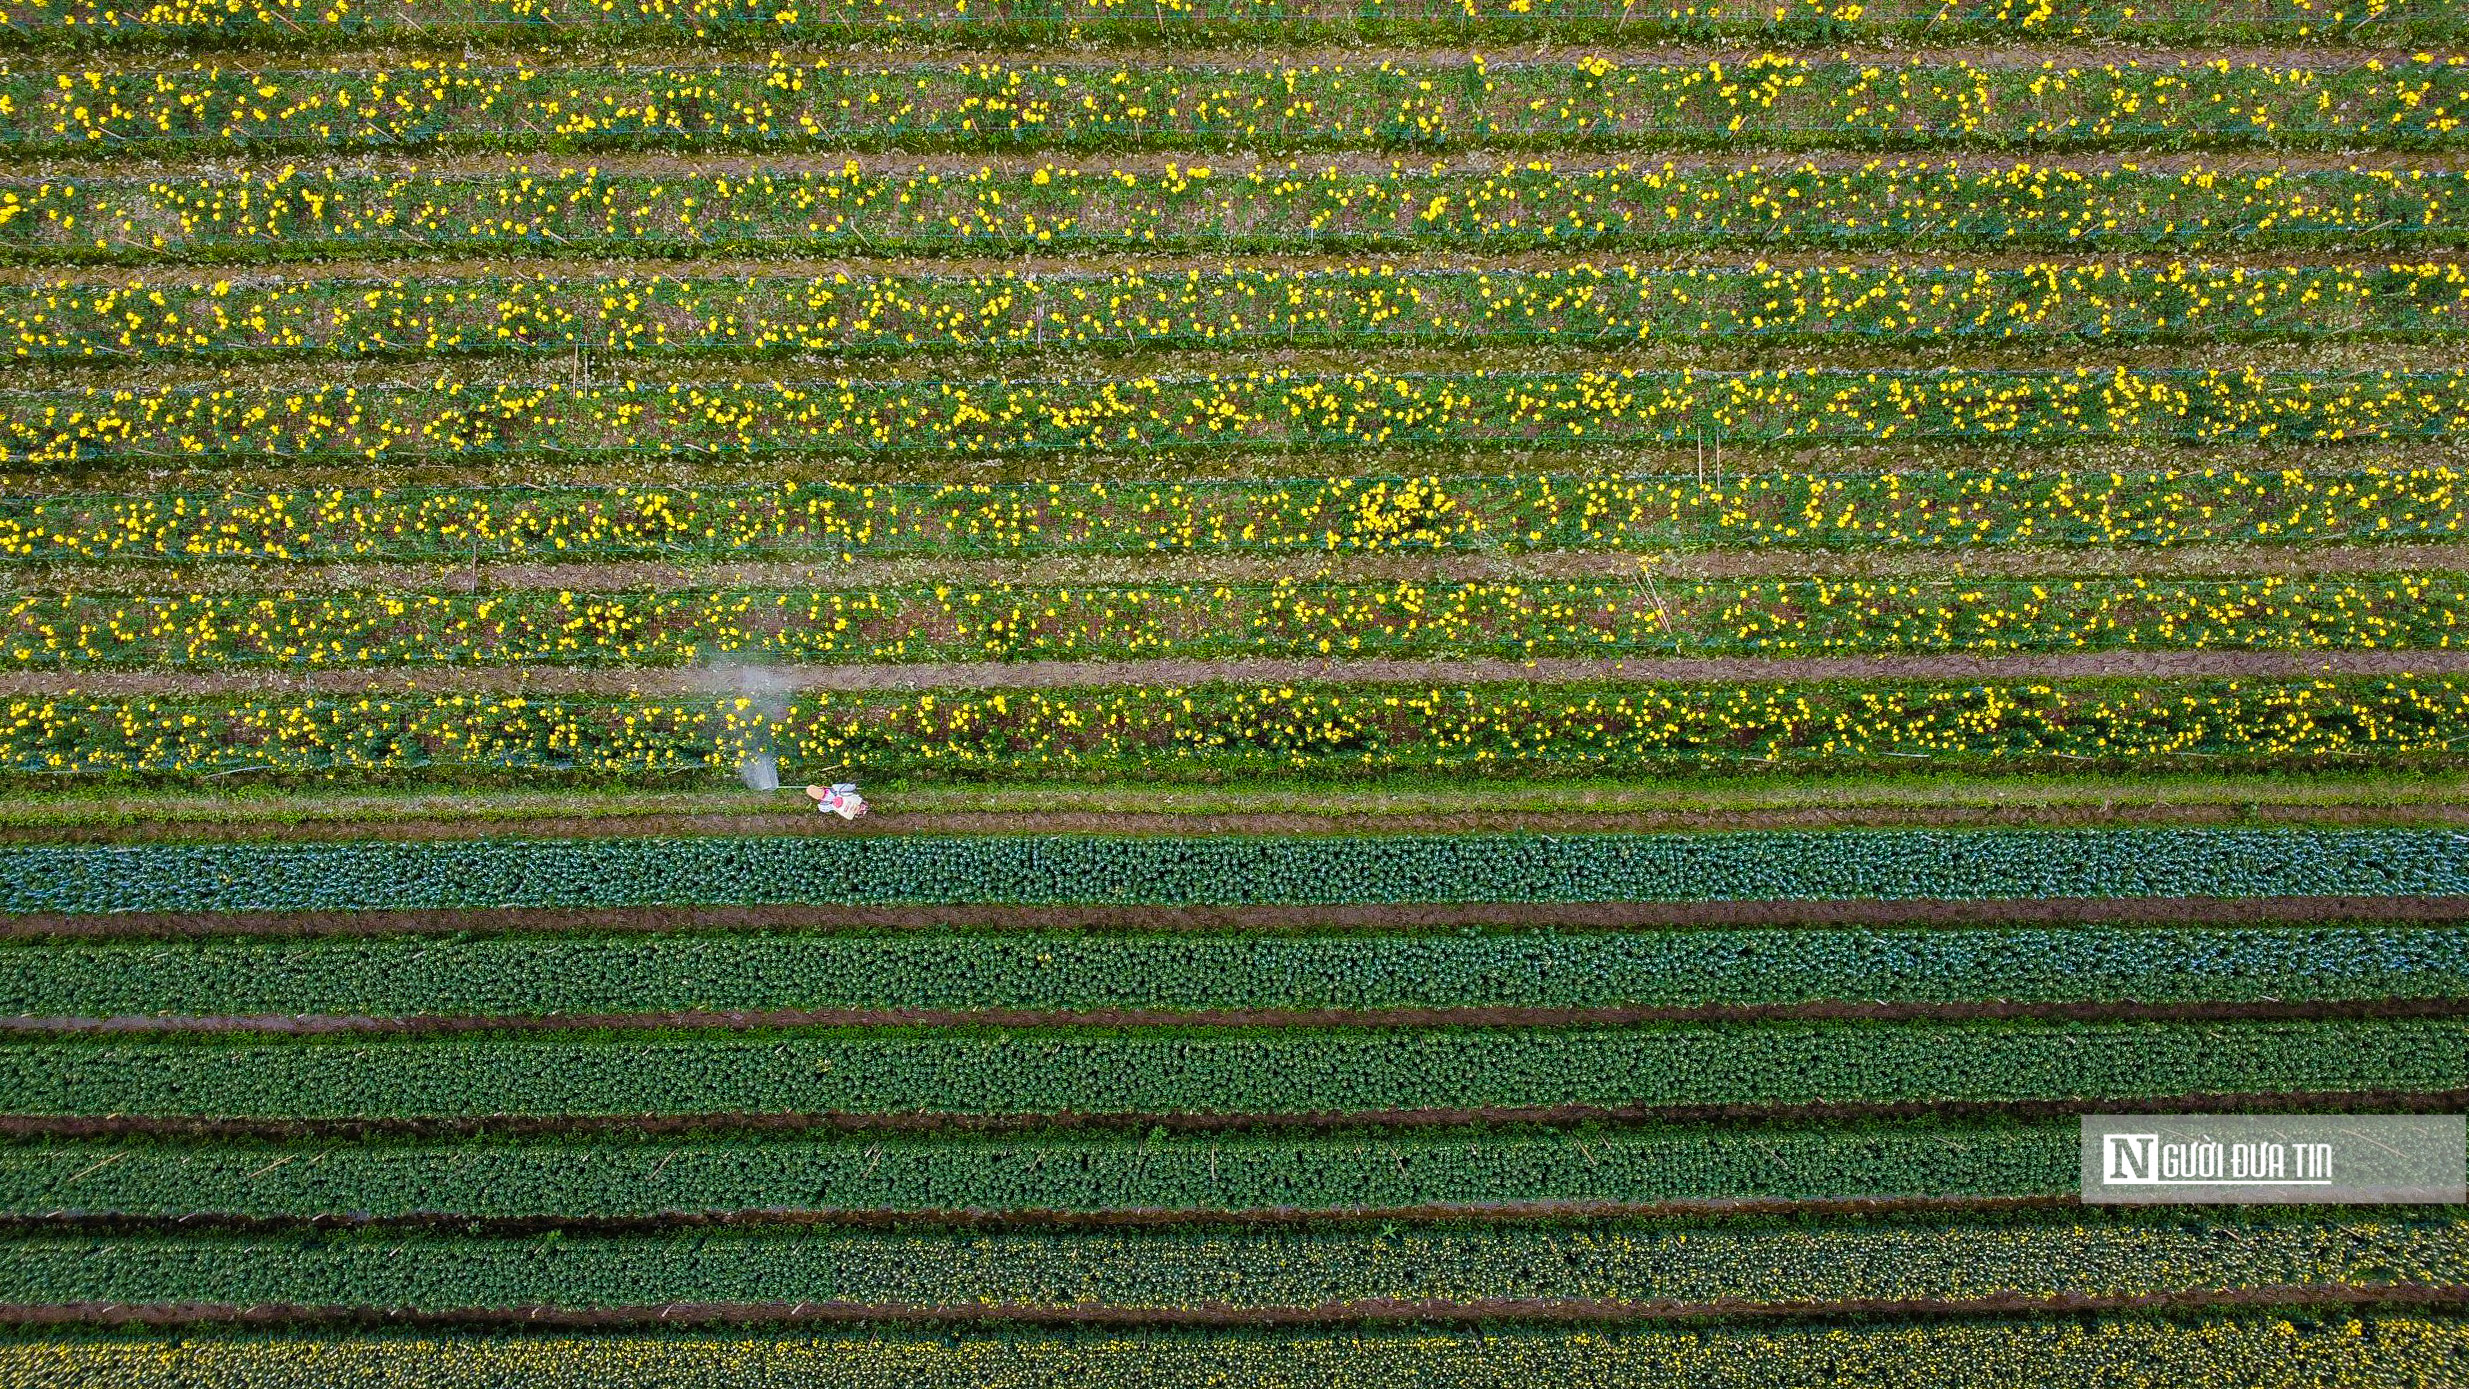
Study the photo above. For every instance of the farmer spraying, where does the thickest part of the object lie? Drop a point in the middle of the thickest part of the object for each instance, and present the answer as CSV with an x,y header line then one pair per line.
x,y
840,799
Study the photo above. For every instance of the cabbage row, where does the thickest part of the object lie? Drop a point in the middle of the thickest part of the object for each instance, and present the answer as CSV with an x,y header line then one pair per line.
x,y
2373,1349
1041,1172
1890,865
520,976
2039,1255
1164,1071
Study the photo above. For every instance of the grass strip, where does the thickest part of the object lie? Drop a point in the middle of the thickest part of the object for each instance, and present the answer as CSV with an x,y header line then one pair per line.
x,y
537,976
294,212
261,813
1060,1175
1882,865
1160,1071
1877,1260
2278,1349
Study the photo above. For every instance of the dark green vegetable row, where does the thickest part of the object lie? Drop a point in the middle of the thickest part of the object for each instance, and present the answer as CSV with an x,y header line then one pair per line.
x,y
1159,1071
1881,864
638,1177
540,975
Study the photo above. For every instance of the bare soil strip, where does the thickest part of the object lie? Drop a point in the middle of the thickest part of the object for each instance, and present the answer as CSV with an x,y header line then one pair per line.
x,y
1207,1314
329,1024
141,1126
2193,561
1584,916
1184,674
1272,1217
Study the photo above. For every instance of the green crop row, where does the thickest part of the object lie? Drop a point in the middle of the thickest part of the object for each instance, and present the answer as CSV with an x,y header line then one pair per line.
x,y
1532,512
525,976
1055,1173
658,315
2271,1349
1767,99
1327,730
1260,411
291,23
1888,865
1003,622
1152,1071
312,213
1807,1264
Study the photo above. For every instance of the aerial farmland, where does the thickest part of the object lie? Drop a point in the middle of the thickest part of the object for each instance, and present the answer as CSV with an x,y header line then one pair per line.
x,y
1303,693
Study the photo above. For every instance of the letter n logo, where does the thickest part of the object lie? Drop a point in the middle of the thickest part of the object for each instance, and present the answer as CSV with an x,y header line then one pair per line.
x,y
2127,1159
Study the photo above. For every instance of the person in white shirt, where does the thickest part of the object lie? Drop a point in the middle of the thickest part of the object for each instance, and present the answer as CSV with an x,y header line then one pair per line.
x,y
841,800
